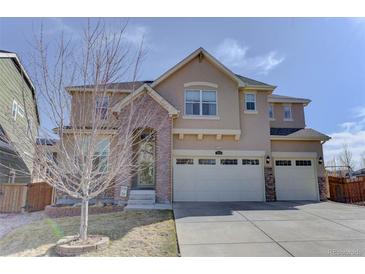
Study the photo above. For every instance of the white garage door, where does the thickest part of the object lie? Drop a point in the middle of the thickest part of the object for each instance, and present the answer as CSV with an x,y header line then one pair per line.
x,y
218,179
295,179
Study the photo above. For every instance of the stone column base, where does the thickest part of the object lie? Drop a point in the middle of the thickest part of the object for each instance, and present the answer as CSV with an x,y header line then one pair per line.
x,y
270,192
322,188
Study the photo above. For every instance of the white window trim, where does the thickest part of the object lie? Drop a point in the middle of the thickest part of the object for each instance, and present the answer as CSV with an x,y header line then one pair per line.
x,y
201,116
273,112
20,111
291,113
14,109
248,111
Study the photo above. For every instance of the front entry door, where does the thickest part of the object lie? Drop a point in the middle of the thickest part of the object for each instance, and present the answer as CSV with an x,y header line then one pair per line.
x,y
146,165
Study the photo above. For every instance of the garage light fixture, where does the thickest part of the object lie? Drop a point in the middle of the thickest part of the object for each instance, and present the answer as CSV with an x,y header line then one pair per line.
x,y
320,160
267,159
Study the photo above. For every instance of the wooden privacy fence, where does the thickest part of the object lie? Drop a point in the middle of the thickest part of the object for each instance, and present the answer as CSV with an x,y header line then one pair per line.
x,y
13,197
346,190
16,198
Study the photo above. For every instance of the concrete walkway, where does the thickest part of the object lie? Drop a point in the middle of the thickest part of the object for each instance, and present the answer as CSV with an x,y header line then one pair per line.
x,y
270,229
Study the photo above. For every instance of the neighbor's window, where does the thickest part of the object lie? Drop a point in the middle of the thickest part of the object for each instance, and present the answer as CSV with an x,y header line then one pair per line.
x,y
228,161
250,101
184,161
287,113
14,110
29,126
271,111
20,110
252,162
201,102
102,104
206,161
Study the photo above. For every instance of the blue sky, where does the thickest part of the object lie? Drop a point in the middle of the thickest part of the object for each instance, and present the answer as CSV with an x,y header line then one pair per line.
x,y
319,59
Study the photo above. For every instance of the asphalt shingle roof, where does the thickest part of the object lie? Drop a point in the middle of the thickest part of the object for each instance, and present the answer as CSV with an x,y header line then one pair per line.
x,y
283,131
252,82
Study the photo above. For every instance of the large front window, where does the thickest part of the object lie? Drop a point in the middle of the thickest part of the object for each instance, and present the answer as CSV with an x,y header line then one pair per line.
x,y
201,102
100,156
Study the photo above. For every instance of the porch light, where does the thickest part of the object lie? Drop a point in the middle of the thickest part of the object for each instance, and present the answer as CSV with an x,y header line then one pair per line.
x,y
320,160
267,159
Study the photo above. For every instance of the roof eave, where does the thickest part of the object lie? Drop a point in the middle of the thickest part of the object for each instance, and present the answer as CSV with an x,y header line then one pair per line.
x,y
192,56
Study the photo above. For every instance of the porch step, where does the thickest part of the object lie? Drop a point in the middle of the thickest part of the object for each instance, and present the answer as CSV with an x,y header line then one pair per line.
x,y
141,202
142,198
145,195
130,207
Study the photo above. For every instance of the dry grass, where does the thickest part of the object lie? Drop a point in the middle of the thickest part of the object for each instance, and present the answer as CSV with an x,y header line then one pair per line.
x,y
132,233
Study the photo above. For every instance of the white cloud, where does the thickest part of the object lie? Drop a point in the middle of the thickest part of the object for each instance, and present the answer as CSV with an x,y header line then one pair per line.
x,y
352,133
135,34
232,54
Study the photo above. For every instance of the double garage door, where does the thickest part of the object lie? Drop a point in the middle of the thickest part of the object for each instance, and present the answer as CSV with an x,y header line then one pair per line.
x,y
218,179
222,179
295,179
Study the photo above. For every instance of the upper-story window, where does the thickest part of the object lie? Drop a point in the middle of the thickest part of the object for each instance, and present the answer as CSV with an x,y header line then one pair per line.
x,y
250,102
271,111
16,110
201,102
102,105
288,116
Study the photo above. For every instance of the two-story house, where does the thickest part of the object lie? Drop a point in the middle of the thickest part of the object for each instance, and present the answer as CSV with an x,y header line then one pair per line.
x,y
19,120
226,138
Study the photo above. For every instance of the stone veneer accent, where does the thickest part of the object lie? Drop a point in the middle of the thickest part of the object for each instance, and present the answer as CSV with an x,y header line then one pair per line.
x,y
161,122
322,187
270,191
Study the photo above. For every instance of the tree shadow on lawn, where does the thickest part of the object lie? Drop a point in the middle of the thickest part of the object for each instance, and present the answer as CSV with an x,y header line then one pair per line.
x,y
147,231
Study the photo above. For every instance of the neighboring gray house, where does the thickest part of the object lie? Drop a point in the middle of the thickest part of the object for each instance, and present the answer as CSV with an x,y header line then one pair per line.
x,y
18,111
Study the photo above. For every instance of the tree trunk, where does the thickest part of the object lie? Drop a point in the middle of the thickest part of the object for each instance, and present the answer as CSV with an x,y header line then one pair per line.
x,y
84,219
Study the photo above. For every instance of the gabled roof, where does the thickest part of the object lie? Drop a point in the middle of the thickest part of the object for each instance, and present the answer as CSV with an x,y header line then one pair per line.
x,y
113,87
23,72
275,98
304,134
254,83
241,80
151,92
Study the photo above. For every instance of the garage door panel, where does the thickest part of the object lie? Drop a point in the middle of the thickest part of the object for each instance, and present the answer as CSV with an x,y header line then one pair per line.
x,y
296,182
218,182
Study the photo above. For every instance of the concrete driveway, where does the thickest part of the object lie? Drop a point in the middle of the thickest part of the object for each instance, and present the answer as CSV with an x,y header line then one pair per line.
x,y
270,229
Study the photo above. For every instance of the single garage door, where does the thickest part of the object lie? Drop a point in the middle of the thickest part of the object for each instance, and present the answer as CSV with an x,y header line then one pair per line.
x,y
295,179
218,179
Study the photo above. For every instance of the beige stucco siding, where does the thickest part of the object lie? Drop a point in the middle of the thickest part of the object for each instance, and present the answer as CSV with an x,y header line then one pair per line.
x,y
300,146
254,127
83,104
298,116
173,90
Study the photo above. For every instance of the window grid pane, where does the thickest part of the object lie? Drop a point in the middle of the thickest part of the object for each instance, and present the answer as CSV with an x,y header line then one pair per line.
x,y
283,162
207,162
252,162
184,161
228,161
250,101
303,163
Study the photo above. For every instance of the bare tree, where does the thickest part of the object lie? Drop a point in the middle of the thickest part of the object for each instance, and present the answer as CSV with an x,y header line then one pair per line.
x,y
346,158
100,134
362,160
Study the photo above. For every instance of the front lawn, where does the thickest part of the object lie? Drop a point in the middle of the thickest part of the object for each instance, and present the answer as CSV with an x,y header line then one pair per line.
x,y
132,233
